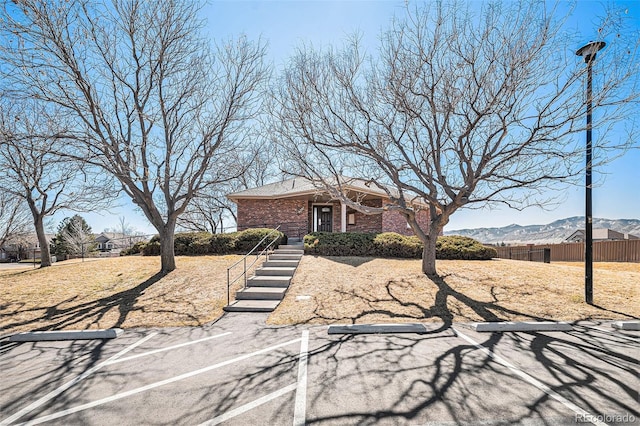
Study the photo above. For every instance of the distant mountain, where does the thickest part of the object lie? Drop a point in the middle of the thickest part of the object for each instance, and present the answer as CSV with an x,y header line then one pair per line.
x,y
554,232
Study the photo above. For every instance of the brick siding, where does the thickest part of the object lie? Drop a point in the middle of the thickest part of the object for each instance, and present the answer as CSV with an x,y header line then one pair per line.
x,y
394,221
270,213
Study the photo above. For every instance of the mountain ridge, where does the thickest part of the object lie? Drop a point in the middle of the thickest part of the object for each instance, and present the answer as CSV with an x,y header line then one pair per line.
x,y
554,232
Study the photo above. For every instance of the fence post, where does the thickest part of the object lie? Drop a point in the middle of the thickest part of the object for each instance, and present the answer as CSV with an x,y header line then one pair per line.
x,y
547,255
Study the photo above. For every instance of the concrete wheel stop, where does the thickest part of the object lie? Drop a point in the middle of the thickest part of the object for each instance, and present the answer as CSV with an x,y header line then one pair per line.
x,y
626,325
37,336
376,329
521,326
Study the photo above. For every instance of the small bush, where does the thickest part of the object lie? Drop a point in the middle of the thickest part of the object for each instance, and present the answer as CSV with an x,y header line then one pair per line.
x,y
340,244
248,239
152,248
223,243
463,248
390,244
134,249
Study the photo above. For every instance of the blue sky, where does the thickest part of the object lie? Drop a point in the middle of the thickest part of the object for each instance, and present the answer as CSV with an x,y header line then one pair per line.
x,y
286,24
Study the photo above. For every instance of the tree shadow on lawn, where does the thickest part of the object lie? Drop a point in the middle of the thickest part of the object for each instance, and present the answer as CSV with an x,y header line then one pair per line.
x,y
487,311
84,314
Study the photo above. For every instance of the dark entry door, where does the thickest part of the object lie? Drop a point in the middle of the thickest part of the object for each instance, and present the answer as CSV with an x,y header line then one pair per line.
x,y
324,217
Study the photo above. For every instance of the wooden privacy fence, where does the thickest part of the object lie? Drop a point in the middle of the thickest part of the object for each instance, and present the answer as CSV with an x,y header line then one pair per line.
x,y
603,251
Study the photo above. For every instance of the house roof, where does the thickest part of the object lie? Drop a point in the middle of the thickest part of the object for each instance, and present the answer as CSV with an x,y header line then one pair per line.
x,y
300,186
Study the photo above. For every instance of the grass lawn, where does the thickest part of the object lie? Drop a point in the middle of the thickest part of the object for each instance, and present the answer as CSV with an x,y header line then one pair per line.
x,y
127,292
365,290
114,292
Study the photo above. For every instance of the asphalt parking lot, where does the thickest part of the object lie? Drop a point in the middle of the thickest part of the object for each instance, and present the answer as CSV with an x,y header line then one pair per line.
x,y
240,372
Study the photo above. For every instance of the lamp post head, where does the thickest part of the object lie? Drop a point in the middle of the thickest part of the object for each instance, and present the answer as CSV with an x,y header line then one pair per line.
x,y
589,50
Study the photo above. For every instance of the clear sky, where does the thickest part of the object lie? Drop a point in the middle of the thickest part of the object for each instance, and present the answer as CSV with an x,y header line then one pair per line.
x,y
287,24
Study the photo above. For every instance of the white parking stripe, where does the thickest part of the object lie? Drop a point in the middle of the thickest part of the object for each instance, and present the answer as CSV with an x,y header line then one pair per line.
x,y
250,406
67,385
546,389
299,413
168,348
156,384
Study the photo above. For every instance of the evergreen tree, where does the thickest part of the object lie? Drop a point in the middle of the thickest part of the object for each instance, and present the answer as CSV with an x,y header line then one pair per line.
x,y
74,237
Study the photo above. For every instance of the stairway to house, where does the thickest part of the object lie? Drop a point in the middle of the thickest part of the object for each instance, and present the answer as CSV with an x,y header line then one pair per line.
x,y
267,287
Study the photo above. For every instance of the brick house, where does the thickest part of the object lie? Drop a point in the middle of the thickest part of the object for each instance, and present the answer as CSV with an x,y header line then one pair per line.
x,y
299,207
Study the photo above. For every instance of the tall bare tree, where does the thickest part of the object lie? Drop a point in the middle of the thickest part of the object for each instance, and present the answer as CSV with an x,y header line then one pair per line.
x,y
36,171
209,211
153,103
15,219
464,105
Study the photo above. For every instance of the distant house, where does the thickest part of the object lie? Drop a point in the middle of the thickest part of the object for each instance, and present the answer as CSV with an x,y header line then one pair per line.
x,y
600,234
23,247
113,242
299,206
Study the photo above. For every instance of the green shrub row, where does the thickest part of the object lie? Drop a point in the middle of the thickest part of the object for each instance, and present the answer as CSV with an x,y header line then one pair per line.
x,y
195,243
390,244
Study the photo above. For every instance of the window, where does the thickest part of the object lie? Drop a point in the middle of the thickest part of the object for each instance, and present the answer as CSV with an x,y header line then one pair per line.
x,y
351,219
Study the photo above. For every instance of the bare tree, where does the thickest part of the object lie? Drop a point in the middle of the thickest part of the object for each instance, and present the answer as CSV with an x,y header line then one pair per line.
x,y
38,174
465,105
152,103
15,219
74,237
211,208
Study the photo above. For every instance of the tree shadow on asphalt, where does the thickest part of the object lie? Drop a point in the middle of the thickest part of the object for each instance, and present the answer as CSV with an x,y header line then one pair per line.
x,y
416,378
575,365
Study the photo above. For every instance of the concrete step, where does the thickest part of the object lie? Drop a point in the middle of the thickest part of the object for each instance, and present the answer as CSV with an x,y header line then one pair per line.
x,y
261,293
284,271
288,251
279,256
268,281
299,246
280,263
252,306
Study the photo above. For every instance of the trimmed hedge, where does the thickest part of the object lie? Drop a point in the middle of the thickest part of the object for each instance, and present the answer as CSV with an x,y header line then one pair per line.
x,y
198,243
390,244
463,248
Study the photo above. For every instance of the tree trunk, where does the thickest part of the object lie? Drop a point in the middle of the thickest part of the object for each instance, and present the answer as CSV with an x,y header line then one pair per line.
x,y
429,252
167,253
45,256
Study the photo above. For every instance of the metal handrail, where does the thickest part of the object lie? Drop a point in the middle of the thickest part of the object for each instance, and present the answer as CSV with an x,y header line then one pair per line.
x,y
264,251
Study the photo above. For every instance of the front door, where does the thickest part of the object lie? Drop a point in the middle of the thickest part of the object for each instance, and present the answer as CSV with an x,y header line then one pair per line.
x,y
323,216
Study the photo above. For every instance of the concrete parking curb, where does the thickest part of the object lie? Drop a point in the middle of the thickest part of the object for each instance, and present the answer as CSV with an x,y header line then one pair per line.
x,y
521,326
626,325
36,336
376,328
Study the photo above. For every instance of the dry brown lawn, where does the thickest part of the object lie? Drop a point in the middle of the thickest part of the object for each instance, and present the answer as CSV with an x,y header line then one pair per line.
x,y
365,290
127,292
115,292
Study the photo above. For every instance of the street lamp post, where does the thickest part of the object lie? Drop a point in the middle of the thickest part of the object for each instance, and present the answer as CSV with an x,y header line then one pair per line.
x,y
588,52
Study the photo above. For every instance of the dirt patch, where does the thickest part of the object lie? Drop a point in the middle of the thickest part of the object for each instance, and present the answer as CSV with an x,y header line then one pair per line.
x,y
114,292
365,290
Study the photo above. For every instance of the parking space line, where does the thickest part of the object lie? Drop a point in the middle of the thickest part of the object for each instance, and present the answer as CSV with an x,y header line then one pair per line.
x,y
67,385
157,384
168,348
299,413
249,406
546,389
